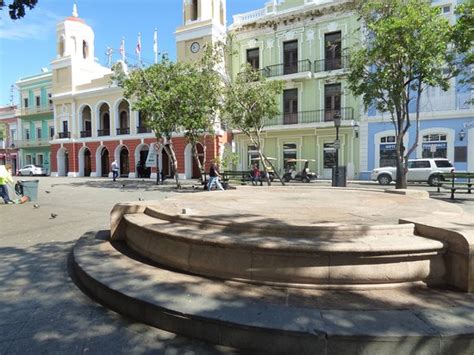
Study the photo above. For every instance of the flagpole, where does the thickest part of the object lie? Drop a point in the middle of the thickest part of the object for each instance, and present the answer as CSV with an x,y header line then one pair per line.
x,y
122,49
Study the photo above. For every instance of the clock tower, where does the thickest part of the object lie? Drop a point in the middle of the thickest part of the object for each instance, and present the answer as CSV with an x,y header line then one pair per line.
x,y
204,22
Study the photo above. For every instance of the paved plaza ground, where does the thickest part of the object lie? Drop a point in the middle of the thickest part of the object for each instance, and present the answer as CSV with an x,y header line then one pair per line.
x,y
43,311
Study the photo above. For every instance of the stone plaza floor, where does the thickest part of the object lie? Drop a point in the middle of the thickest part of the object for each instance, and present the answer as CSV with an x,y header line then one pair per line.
x,y
43,311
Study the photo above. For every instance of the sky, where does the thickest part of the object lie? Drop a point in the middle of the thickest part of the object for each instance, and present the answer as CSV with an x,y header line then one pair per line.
x,y
29,44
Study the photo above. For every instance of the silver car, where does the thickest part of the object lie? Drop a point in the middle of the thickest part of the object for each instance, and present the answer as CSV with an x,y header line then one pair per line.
x,y
30,170
419,170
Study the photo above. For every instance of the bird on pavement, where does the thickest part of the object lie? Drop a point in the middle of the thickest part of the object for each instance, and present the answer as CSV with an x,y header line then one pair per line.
x,y
48,192
53,215
36,205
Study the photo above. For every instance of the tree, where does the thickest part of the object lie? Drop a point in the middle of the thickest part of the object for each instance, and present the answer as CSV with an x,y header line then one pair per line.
x,y
175,97
250,100
406,47
17,9
463,37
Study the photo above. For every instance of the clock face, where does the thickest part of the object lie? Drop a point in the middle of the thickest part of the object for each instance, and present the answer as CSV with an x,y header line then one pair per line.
x,y
195,47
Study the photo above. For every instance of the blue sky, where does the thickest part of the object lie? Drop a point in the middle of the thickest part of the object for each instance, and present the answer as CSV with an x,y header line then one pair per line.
x,y
27,45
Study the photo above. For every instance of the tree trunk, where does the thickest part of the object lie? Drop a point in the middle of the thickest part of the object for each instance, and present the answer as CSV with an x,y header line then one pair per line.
x,y
265,170
198,162
275,172
401,182
170,151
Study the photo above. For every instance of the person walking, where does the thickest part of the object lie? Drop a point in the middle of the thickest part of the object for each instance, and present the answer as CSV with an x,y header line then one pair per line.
x,y
115,170
5,178
214,177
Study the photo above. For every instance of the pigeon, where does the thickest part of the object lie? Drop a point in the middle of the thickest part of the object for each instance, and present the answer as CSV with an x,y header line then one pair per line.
x,y
53,215
141,199
123,185
36,205
48,192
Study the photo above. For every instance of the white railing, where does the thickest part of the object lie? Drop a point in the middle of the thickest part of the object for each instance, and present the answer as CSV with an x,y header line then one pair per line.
x,y
249,16
23,143
36,109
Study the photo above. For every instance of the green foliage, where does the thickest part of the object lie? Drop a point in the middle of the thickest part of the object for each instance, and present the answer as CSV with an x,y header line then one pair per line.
x,y
230,160
250,100
17,9
407,46
463,37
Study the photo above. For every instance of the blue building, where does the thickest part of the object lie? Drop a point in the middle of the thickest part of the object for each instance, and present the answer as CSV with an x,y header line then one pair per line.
x,y
446,127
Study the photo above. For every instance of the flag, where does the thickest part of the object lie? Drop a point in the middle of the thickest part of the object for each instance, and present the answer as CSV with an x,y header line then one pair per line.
x,y
138,49
155,45
122,49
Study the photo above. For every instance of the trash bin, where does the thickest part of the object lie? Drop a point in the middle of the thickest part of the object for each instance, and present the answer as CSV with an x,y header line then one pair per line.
x,y
339,176
30,189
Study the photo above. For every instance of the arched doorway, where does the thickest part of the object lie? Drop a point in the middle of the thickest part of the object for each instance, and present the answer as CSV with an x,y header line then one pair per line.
x,y
196,172
104,162
62,159
87,163
124,162
166,168
141,155
104,120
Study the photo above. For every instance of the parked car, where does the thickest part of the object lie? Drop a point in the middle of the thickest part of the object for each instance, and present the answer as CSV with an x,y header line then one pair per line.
x,y
32,170
419,170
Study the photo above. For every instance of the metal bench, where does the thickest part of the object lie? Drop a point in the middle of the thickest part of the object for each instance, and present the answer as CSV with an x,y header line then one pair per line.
x,y
456,181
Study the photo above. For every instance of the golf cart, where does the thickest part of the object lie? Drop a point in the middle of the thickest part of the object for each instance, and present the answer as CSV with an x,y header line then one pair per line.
x,y
271,174
304,175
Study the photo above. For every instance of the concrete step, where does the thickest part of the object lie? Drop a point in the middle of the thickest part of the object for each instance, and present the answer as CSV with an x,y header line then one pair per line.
x,y
276,320
301,261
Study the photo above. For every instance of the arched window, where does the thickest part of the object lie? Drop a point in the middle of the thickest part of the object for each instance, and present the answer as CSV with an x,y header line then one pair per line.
x,y
194,10
61,47
435,145
388,153
85,50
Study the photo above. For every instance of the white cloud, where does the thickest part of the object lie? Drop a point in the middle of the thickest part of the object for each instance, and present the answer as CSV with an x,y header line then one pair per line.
x,y
36,25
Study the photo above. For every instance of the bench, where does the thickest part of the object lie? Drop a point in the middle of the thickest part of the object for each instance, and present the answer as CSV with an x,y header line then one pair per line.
x,y
452,182
236,175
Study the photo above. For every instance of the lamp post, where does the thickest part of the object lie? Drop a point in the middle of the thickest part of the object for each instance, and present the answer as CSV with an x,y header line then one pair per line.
x,y
337,124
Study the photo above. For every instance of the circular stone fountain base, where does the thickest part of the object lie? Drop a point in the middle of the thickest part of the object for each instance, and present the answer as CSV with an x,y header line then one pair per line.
x,y
323,270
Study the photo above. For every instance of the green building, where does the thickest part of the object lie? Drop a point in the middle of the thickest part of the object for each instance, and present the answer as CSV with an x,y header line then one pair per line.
x,y
303,43
36,120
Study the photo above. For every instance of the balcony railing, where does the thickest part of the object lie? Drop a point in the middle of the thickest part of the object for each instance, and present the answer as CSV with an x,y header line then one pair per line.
x,y
35,110
122,131
85,134
62,135
103,132
287,69
24,143
141,129
330,64
317,116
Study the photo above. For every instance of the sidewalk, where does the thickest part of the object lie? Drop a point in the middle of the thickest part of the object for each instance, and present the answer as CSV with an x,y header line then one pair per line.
x,y
41,309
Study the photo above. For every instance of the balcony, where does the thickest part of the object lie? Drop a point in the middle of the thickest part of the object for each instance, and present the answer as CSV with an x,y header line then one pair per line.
x,y
103,132
325,65
122,131
64,135
85,134
305,117
141,129
26,111
303,67
31,143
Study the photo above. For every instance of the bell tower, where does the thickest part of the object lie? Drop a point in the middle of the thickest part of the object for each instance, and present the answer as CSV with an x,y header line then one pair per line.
x,y
75,61
204,21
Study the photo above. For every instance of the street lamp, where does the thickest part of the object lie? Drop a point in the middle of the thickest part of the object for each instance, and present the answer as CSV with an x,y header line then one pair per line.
x,y
337,124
